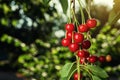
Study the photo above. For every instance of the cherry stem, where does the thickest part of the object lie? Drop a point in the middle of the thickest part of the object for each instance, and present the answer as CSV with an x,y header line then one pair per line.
x,y
88,8
73,8
78,66
81,11
75,20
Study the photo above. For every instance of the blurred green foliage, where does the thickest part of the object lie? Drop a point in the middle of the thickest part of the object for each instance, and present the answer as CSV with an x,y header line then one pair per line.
x,y
30,34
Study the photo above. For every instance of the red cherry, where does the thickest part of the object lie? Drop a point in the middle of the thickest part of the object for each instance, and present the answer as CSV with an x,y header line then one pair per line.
x,y
65,42
93,59
78,37
69,27
75,76
82,60
73,47
102,59
69,35
86,44
83,54
83,28
91,23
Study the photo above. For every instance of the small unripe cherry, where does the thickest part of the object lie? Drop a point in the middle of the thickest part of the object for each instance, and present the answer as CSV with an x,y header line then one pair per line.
x,y
69,27
108,58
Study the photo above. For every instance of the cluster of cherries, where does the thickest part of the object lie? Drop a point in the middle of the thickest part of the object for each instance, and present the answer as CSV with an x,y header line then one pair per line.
x,y
76,42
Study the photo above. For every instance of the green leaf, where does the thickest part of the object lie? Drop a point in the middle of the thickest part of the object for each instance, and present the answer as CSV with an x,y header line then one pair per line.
x,y
95,78
66,70
46,1
64,4
96,70
64,78
115,13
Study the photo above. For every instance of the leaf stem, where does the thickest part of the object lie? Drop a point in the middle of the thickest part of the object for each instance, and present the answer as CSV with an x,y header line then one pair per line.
x,y
71,74
78,66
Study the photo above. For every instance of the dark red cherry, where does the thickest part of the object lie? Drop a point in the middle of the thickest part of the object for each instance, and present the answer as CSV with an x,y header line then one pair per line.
x,y
102,59
83,54
93,59
86,44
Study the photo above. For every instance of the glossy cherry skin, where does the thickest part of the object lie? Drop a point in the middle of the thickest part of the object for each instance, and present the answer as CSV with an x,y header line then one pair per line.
x,y
73,47
75,76
86,44
93,59
69,35
102,59
108,58
65,42
83,28
69,27
83,54
91,23
78,37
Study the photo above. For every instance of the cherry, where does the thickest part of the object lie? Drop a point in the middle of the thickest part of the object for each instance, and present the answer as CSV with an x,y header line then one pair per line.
x,y
69,35
91,23
78,37
92,59
69,27
102,59
82,60
108,58
83,28
86,44
83,54
65,42
73,47
75,76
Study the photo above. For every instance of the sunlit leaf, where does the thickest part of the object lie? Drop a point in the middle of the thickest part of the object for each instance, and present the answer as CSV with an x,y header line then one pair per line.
x,y
96,70
9,39
66,69
6,8
46,1
16,43
95,78
115,13
4,22
64,4
14,22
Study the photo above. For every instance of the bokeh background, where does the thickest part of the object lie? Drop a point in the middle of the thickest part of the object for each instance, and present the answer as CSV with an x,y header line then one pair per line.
x,y
31,31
